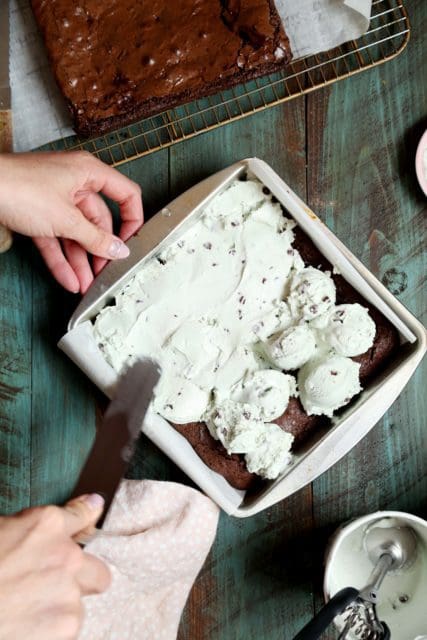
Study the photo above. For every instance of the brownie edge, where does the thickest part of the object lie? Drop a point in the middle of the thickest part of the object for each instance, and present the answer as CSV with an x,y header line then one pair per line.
x,y
214,455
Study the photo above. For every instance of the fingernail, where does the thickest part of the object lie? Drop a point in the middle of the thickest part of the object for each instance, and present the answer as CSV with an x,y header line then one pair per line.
x,y
94,501
118,249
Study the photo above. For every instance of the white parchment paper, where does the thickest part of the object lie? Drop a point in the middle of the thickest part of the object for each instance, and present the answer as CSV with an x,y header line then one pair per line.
x,y
318,25
39,112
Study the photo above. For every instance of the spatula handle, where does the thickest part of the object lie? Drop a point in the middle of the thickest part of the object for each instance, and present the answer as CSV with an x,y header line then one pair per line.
x,y
5,146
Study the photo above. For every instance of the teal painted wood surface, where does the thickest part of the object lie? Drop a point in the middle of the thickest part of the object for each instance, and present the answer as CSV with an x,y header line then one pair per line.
x,y
15,380
349,151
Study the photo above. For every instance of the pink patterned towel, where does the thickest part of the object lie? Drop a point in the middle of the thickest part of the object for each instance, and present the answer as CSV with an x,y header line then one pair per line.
x,y
155,540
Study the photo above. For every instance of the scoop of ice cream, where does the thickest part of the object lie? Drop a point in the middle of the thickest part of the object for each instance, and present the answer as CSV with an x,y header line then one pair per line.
x,y
275,320
327,384
180,400
268,390
240,428
272,453
350,330
292,348
312,293
236,425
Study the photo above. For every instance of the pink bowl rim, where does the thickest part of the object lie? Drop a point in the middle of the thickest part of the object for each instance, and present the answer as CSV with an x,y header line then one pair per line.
x,y
422,146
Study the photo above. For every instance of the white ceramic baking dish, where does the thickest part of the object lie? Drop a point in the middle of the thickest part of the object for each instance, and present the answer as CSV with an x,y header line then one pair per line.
x,y
325,447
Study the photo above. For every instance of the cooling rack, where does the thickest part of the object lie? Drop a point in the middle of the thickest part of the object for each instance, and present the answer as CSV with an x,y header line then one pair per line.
x,y
387,36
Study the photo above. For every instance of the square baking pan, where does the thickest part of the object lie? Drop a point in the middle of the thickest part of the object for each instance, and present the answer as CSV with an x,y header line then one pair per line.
x,y
327,445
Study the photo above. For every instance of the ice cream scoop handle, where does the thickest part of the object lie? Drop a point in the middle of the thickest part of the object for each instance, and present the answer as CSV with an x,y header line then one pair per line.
x,y
336,605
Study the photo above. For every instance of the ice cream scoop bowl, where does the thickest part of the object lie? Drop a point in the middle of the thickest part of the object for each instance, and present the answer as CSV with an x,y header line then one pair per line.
x,y
396,544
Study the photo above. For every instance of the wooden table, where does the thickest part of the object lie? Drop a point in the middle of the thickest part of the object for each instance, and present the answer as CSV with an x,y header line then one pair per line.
x,y
349,152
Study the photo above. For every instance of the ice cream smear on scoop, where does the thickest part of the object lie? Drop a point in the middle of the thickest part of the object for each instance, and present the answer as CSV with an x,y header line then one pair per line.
x,y
238,325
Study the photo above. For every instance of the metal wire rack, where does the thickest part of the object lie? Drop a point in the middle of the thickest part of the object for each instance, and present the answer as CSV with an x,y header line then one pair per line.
x,y
387,37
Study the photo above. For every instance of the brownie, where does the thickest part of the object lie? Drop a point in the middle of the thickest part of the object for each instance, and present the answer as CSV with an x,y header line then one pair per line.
x,y
295,420
386,339
214,455
118,61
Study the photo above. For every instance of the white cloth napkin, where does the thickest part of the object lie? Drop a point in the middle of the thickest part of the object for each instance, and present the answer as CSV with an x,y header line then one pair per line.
x,y
155,541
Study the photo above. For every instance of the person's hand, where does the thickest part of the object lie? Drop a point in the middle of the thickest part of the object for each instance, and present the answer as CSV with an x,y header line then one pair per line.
x,y
57,195
44,572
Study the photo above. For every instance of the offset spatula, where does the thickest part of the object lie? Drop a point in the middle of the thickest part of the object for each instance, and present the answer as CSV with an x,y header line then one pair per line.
x,y
115,440
5,105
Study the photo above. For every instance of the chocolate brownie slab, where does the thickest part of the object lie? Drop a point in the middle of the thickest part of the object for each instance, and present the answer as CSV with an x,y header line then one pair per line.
x,y
119,61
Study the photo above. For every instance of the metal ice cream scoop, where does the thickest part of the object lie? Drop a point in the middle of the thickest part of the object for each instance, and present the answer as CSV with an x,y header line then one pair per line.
x,y
390,549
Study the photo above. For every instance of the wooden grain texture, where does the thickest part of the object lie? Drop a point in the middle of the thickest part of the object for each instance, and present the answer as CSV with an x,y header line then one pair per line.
x,y
63,402
349,150
15,379
6,145
362,183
